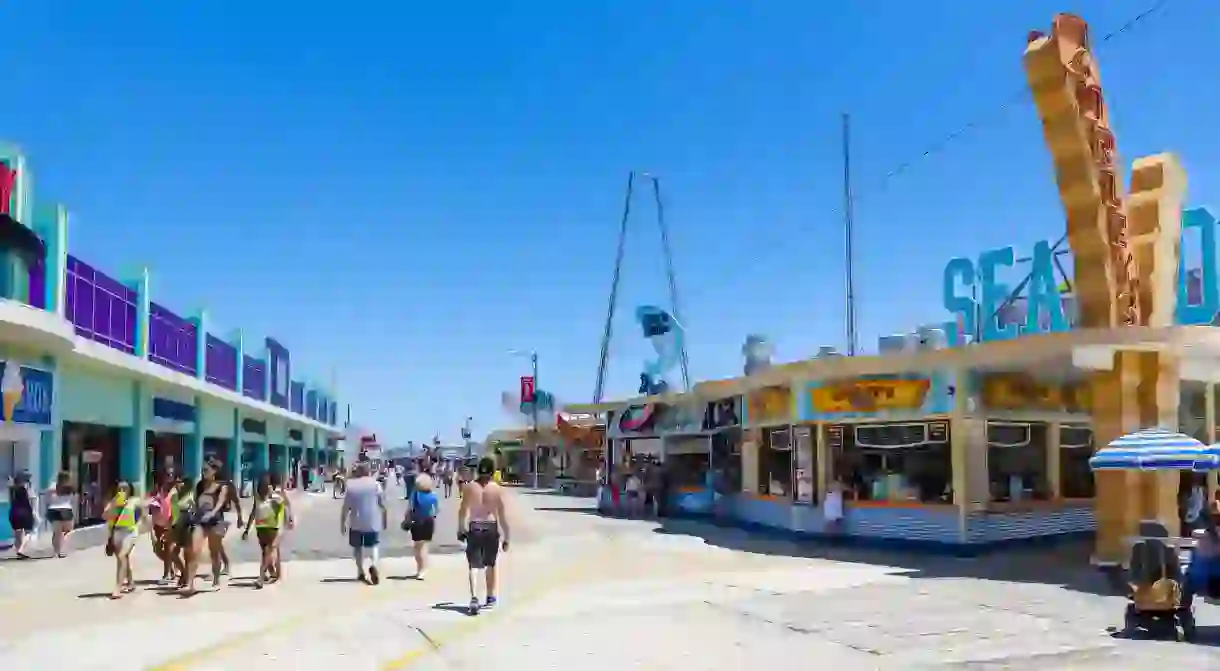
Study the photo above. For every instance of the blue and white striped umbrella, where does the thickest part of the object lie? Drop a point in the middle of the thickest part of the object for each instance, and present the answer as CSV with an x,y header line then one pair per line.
x,y
1156,449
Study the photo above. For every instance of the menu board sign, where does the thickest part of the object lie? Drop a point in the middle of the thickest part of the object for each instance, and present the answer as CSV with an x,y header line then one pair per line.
x,y
770,405
1017,391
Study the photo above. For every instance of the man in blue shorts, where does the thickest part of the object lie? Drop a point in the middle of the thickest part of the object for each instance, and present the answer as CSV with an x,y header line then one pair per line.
x,y
363,519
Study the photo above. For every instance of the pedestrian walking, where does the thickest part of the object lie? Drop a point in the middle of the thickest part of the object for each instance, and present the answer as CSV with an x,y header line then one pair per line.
x,y
22,517
160,511
61,507
422,510
409,474
363,518
447,479
182,526
290,523
211,500
480,518
122,516
232,505
267,517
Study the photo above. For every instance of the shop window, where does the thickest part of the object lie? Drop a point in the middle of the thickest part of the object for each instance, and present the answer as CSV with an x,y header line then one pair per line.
x,y
1016,461
908,461
1075,449
726,461
8,466
688,460
775,462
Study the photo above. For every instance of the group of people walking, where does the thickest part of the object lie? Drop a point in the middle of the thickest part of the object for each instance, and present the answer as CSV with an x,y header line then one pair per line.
x,y
188,519
23,515
481,516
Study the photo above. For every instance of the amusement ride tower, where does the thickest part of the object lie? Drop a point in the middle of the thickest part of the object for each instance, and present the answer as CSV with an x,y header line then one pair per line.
x,y
612,301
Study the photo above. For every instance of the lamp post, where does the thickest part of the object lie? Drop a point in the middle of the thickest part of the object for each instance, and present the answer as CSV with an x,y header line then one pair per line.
x,y
466,437
533,355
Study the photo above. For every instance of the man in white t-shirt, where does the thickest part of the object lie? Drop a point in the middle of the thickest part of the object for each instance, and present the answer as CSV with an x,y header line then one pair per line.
x,y
634,498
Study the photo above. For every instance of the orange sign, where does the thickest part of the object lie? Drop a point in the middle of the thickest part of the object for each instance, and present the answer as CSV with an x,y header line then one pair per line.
x,y
865,395
1015,391
769,405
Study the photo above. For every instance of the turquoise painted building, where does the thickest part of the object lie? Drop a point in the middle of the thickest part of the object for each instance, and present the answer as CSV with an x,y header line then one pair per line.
x,y
108,384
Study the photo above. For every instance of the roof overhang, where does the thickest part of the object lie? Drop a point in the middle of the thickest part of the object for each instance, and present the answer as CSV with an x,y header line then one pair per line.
x,y
1089,349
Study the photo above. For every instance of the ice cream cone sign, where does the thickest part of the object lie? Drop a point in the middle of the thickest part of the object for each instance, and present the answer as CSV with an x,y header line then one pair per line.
x,y
11,386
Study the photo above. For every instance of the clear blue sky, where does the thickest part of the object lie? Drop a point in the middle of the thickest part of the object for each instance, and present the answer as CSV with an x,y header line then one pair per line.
x,y
405,194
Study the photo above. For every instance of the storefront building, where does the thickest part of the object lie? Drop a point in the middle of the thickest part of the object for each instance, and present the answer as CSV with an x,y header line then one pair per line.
x,y
113,386
953,448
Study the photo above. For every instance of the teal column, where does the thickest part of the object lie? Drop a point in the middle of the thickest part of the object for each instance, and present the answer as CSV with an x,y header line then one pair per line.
x,y
238,341
192,455
133,442
141,283
262,457
51,223
285,455
201,345
235,451
50,441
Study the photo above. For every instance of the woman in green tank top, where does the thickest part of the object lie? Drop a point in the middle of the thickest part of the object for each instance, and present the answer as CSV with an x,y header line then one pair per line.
x,y
267,518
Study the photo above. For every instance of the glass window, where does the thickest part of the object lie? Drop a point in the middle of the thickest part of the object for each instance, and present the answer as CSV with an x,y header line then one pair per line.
x,y
1075,449
908,461
687,470
775,462
8,467
1016,461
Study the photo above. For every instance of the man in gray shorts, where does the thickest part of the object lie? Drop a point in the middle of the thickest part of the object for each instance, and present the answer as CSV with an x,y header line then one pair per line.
x,y
363,519
479,520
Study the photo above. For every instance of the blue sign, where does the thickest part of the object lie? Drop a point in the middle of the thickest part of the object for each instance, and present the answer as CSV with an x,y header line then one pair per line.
x,y
37,389
975,294
173,410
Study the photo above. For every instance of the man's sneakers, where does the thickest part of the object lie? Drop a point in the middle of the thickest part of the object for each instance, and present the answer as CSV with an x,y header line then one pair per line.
x,y
374,575
490,603
474,607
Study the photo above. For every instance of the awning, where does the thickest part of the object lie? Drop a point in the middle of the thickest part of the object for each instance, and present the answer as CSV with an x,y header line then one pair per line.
x,y
21,240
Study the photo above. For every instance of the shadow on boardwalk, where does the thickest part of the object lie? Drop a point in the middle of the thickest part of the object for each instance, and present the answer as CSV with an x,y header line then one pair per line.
x,y
1065,564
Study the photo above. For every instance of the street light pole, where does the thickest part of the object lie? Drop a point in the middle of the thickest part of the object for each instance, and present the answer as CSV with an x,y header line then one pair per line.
x,y
533,408
534,415
466,437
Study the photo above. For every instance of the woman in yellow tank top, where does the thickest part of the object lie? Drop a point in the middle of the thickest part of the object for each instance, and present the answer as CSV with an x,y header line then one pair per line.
x,y
122,516
268,517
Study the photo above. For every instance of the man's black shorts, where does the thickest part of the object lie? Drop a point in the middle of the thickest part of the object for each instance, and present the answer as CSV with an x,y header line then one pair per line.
x,y
483,544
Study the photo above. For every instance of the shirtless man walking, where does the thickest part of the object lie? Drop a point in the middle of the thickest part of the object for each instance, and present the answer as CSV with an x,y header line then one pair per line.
x,y
479,520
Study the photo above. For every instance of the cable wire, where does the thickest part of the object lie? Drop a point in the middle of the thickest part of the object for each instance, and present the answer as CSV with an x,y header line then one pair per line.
x,y
978,122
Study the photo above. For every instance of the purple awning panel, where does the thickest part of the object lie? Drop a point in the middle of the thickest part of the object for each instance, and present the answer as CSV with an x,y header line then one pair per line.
x,y
38,284
296,397
172,340
100,307
254,378
220,363
311,404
